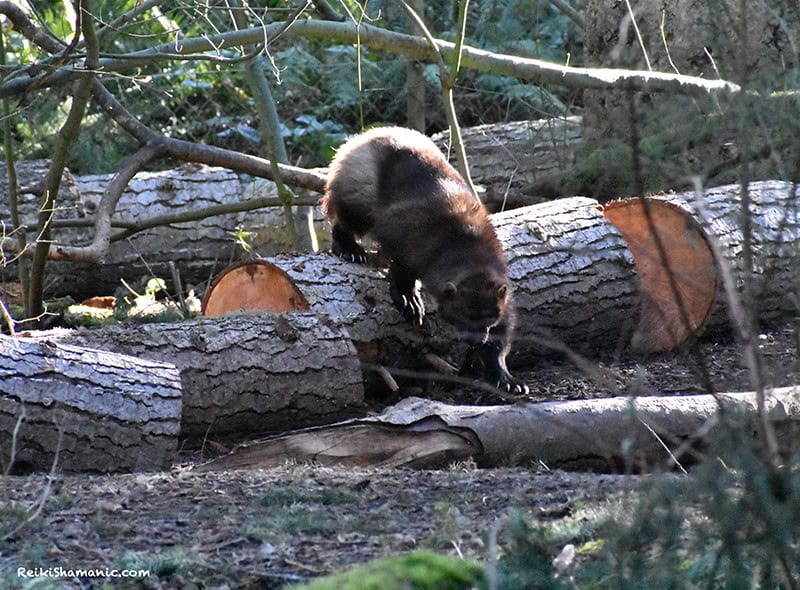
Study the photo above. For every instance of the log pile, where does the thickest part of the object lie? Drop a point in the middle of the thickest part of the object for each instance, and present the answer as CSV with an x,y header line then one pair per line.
x,y
642,272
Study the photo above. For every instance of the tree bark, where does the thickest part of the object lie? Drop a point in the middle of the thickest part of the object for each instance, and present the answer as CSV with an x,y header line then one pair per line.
x,y
248,373
85,410
574,279
612,434
69,206
200,249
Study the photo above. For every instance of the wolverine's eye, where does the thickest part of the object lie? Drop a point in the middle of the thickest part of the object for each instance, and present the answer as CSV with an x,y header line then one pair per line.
x,y
450,290
502,291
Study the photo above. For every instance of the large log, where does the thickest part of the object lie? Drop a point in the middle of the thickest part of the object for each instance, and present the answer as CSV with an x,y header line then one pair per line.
x,y
199,249
250,372
612,434
576,286
85,410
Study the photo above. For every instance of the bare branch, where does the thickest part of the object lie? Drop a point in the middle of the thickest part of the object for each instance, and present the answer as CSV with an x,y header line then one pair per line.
x,y
199,214
532,70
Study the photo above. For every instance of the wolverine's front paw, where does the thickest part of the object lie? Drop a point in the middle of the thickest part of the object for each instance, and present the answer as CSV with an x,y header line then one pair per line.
x,y
409,303
350,252
504,380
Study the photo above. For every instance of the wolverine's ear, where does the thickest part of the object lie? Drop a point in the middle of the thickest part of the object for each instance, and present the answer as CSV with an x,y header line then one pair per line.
x,y
502,291
450,290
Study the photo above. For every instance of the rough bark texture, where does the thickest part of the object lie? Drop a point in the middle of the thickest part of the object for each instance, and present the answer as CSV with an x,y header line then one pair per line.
x,y
518,162
250,372
574,276
200,249
773,281
575,285
98,411
690,29
615,434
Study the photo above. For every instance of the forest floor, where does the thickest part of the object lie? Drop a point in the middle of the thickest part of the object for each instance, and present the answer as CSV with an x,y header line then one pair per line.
x,y
270,528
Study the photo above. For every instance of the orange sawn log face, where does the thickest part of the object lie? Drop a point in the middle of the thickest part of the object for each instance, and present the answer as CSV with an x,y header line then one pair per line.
x,y
676,269
255,285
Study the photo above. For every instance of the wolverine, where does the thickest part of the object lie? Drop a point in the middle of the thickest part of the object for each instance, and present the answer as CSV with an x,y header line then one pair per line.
x,y
394,185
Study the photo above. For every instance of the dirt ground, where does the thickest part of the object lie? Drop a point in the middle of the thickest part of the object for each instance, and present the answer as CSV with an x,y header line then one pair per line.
x,y
266,529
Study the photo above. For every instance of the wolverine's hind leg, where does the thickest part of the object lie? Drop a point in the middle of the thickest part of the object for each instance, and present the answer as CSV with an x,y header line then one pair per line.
x,y
344,245
405,294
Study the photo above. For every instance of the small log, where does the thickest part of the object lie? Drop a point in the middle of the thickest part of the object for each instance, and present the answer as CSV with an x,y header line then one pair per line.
x,y
612,434
85,410
252,372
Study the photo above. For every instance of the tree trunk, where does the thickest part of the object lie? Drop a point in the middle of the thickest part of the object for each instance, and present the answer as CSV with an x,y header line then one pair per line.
x,y
519,163
248,373
612,434
747,43
576,287
580,282
87,410
574,280
200,249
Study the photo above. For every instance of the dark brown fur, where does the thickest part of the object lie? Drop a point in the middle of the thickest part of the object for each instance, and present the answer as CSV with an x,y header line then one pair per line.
x,y
394,185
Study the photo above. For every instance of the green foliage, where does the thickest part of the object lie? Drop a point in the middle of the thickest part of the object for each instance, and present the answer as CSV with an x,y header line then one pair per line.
x,y
416,571
732,523
315,83
319,138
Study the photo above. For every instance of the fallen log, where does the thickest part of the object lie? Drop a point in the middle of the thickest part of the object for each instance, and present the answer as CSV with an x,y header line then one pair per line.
x,y
30,174
612,434
250,372
80,409
198,248
576,285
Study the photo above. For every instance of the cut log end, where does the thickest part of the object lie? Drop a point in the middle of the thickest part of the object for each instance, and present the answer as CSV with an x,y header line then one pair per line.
x,y
253,285
676,268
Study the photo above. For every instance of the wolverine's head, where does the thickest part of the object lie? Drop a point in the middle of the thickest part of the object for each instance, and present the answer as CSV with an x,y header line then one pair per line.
x,y
475,303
